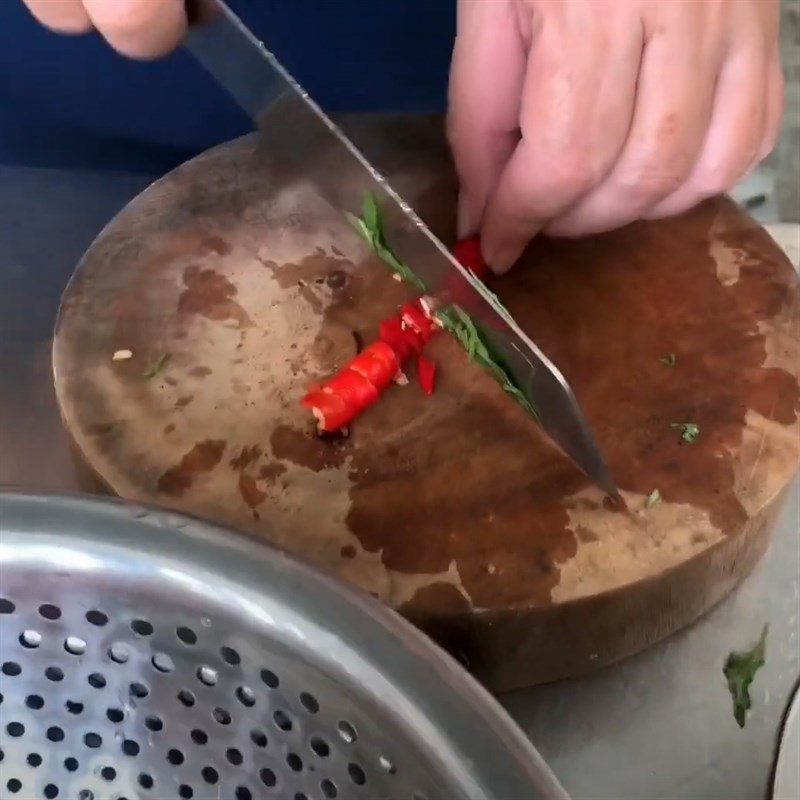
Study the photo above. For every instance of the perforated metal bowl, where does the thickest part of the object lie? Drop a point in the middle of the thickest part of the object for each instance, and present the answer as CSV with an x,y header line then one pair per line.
x,y
149,655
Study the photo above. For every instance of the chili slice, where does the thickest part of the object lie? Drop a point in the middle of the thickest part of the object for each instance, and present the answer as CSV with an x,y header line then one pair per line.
x,y
426,372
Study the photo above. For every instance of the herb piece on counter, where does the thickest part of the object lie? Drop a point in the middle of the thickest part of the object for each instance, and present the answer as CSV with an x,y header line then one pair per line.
x,y
157,367
739,670
653,499
690,431
426,372
122,355
669,360
370,227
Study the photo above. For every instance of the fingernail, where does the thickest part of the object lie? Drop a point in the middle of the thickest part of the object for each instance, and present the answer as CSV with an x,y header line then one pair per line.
x,y
463,221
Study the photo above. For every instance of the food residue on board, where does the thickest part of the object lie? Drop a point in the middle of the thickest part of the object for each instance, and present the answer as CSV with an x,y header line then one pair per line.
x,y
122,355
690,431
669,360
157,367
739,670
653,499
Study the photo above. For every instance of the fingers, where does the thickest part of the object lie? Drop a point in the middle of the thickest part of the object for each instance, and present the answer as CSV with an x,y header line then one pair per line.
x,y
735,137
574,120
774,110
673,105
139,28
486,77
63,16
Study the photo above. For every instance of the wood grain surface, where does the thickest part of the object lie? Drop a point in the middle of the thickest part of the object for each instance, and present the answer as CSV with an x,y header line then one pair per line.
x,y
453,509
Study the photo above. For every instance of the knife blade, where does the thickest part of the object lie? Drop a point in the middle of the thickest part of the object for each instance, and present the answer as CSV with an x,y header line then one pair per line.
x,y
294,129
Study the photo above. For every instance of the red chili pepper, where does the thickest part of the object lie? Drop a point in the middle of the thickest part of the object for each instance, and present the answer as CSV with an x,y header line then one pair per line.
x,y
468,253
415,317
378,363
330,410
426,371
353,388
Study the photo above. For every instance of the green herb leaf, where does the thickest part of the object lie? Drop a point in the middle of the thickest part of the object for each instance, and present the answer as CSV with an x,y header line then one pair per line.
x,y
739,671
690,431
653,499
669,360
157,367
454,319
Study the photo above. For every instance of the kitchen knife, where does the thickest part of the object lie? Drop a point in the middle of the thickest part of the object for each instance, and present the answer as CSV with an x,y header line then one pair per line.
x,y
299,135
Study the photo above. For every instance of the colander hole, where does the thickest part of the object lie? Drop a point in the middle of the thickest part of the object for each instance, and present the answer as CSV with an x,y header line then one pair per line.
x,y
270,678
198,736
108,773
186,697
34,701
207,676
55,734
347,731
97,680
50,791
2,755
329,788
258,738
320,747
282,720
186,635
92,740
243,793
1,697
221,716
30,639
49,611
15,729
14,785
11,668
154,723
267,777
175,757
246,696
54,674
234,756
75,646
357,775
141,627
210,775
294,762
130,748
139,690
118,653
186,791
71,764
419,796
387,765
115,714
6,606
230,656
300,796
34,759
85,794
145,780
74,707
309,702
96,617
162,662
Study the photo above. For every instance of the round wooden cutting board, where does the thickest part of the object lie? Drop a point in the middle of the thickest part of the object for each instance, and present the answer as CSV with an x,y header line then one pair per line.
x,y
235,288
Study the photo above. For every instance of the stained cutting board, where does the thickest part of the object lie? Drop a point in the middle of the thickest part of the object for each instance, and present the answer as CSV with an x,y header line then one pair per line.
x,y
454,509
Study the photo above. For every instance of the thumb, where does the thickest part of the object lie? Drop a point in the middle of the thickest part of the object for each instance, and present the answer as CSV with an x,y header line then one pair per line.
x,y
486,78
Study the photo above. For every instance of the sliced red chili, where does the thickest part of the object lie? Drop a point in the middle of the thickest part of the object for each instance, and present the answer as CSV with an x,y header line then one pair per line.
x,y
426,371
468,253
378,363
414,316
330,410
356,390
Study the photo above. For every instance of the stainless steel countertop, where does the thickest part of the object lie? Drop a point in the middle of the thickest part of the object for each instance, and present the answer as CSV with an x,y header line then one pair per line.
x,y
658,725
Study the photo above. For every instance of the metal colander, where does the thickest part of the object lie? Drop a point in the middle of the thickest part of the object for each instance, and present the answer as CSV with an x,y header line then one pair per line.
x,y
148,655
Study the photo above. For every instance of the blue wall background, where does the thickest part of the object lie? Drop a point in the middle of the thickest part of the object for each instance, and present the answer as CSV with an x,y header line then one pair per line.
x,y
71,101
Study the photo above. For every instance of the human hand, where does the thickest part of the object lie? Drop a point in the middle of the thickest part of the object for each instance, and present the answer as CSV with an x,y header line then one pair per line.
x,y
578,116
136,28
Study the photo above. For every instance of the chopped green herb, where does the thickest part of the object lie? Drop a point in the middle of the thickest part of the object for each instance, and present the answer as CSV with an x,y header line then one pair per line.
x,y
370,227
653,499
669,360
690,431
157,367
739,671
453,319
